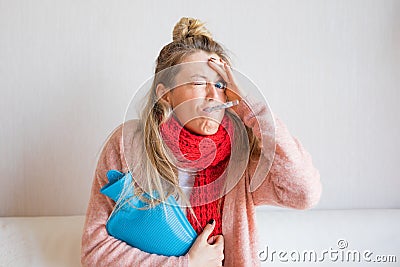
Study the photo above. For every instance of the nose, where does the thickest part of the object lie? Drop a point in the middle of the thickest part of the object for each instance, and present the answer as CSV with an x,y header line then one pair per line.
x,y
211,91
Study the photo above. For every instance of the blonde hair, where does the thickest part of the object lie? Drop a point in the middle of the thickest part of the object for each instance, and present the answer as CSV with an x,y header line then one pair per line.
x,y
157,171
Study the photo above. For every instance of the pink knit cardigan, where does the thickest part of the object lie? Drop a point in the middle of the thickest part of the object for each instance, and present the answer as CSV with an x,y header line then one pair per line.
x,y
292,182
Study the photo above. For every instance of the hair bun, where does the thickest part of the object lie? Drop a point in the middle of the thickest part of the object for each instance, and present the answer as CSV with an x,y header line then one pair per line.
x,y
189,27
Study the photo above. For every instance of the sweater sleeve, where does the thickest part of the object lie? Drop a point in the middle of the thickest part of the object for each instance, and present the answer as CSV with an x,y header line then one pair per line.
x,y
98,247
292,180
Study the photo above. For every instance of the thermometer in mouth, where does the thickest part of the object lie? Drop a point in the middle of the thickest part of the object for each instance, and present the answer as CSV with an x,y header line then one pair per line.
x,y
222,106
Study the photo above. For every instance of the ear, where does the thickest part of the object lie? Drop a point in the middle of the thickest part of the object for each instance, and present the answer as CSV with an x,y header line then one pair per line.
x,y
163,94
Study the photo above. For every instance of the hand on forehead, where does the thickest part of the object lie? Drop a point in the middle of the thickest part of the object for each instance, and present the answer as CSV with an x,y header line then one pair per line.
x,y
196,67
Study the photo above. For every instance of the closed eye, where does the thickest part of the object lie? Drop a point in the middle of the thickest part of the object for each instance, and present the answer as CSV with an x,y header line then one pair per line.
x,y
199,83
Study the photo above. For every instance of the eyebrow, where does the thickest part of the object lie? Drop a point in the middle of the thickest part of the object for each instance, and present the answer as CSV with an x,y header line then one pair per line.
x,y
204,77
198,76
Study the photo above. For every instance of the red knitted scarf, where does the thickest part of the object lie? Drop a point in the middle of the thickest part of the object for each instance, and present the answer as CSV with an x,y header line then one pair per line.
x,y
209,155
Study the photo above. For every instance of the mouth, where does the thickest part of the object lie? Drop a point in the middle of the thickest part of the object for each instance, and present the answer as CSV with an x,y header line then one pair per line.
x,y
221,106
210,110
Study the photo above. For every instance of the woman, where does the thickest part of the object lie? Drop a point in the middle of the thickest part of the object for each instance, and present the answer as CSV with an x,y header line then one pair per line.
x,y
166,146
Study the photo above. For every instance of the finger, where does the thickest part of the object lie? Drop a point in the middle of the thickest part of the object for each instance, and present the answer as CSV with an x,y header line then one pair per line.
x,y
207,230
211,240
229,72
221,256
235,90
219,240
219,68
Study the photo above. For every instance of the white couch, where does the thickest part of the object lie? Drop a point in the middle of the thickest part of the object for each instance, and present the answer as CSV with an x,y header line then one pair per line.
x,y
55,241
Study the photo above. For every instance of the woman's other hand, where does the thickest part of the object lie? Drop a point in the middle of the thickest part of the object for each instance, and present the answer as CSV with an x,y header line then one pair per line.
x,y
207,251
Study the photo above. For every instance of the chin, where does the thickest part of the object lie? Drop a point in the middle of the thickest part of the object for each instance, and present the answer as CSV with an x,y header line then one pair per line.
x,y
209,131
208,127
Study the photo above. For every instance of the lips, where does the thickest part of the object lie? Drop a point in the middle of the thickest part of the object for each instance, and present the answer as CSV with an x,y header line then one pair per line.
x,y
205,107
215,115
210,105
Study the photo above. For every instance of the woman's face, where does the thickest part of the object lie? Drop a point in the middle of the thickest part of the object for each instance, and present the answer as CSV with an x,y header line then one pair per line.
x,y
197,86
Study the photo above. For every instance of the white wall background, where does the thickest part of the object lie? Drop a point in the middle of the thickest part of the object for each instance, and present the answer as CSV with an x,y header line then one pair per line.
x,y
329,69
